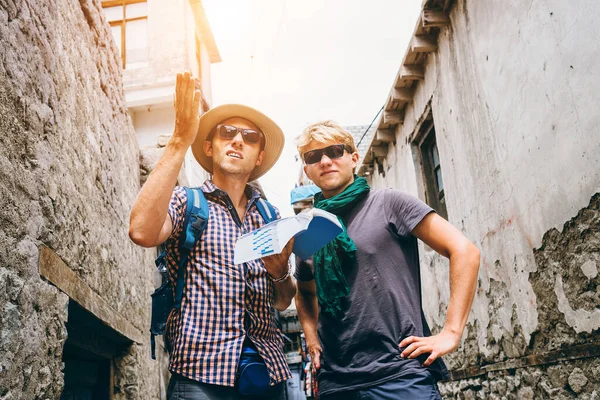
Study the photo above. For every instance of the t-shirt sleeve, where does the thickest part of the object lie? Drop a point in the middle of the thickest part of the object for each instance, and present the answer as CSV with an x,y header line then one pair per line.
x,y
304,270
404,211
177,207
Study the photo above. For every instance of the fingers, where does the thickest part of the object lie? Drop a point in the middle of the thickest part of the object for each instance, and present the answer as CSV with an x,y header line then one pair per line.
x,y
414,351
181,91
178,83
409,352
436,346
186,94
190,89
187,108
408,341
177,94
315,356
197,100
416,346
430,359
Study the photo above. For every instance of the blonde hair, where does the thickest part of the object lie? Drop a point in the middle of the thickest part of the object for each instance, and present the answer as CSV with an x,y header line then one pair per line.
x,y
324,132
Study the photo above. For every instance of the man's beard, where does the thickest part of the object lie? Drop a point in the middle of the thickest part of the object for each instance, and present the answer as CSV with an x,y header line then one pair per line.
x,y
235,170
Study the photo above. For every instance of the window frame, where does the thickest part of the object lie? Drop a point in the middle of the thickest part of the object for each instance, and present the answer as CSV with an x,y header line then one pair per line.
x,y
123,22
425,144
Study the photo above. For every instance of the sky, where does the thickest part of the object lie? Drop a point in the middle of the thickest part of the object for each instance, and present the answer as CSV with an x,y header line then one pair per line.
x,y
302,61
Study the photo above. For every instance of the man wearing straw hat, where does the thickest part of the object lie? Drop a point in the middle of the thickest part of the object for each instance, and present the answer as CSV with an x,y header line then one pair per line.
x,y
225,307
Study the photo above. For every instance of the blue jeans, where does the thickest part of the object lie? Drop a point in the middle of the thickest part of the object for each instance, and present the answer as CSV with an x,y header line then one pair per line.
x,y
414,386
181,388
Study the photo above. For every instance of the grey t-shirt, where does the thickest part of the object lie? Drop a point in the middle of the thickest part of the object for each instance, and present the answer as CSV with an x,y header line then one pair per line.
x,y
360,349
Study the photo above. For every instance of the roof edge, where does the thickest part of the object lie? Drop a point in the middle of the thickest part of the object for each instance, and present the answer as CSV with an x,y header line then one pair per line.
x,y
203,28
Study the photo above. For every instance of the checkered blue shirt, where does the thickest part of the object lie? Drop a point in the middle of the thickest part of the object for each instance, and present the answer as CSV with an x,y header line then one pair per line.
x,y
222,302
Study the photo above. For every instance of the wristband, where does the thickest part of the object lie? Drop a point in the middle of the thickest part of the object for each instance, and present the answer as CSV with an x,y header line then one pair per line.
x,y
283,278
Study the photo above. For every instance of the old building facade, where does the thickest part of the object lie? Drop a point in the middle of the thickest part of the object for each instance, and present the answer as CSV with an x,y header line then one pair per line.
x,y
74,290
156,40
492,119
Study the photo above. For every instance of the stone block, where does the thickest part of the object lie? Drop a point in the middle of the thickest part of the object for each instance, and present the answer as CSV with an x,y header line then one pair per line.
x,y
577,380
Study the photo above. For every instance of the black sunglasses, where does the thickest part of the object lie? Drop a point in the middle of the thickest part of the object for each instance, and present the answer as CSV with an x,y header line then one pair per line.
x,y
228,132
333,151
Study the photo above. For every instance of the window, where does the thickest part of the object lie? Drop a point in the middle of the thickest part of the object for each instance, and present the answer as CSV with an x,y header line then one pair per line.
x,y
431,168
128,20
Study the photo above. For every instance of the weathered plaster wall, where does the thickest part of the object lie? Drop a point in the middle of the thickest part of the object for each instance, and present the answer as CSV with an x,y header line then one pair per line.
x,y
68,177
515,101
172,33
168,38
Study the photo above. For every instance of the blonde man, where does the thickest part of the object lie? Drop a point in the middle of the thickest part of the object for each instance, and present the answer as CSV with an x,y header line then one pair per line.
x,y
359,301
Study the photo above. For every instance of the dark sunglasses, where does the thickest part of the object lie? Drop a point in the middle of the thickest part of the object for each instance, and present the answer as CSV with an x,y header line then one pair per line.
x,y
333,151
228,132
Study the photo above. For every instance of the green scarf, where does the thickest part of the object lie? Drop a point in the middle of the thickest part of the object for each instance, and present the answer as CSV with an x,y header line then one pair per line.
x,y
328,262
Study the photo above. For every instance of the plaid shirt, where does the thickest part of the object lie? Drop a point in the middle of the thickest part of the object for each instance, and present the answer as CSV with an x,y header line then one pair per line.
x,y
222,302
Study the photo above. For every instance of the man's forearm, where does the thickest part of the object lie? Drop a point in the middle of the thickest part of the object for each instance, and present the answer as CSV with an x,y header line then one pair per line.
x,y
308,313
151,206
464,268
284,293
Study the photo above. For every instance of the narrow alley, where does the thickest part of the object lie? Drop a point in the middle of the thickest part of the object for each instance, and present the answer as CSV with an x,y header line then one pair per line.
x,y
490,119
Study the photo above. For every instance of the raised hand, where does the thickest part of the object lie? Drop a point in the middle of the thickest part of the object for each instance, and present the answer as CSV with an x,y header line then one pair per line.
x,y
187,109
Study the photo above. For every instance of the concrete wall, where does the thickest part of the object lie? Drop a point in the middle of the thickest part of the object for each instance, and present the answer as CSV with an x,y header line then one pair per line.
x,y
515,104
68,178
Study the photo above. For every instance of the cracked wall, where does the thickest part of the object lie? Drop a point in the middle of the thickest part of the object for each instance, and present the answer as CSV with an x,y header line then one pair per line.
x,y
567,284
68,177
569,380
514,104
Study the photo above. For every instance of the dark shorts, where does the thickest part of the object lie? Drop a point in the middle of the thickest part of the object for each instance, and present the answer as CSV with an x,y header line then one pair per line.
x,y
414,386
182,388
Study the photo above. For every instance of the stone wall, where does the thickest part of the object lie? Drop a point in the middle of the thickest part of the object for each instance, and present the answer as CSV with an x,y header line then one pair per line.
x,y
515,111
568,380
68,177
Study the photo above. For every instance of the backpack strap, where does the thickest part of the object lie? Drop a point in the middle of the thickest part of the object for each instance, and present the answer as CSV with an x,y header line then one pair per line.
x,y
196,218
266,210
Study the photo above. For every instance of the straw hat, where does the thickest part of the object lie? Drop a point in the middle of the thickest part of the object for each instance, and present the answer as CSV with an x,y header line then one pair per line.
x,y
273,134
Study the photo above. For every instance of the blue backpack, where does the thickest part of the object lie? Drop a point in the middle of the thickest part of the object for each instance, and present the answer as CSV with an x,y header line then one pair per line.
x,y
194,223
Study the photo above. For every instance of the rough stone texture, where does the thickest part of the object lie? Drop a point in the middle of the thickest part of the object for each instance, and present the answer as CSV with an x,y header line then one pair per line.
x,y
568,300
163,140
68,177
531,383
515,110
149,157
139,376
577,380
